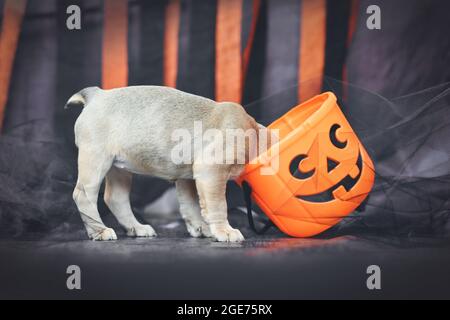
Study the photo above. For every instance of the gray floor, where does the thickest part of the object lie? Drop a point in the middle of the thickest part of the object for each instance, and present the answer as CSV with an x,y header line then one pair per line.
x,y
174,266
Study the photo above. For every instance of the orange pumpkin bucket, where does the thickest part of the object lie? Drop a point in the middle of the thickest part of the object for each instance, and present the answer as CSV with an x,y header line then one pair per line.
x,y
323,171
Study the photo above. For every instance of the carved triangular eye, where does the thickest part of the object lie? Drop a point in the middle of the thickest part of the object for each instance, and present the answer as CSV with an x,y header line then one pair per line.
x,y
331,164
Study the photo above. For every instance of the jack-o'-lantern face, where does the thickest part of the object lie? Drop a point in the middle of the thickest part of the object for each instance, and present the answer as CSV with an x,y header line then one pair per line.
x,y
329,175
332,166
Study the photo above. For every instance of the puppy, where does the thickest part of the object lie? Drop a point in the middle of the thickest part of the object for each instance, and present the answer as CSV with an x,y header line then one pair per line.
x,y
130,130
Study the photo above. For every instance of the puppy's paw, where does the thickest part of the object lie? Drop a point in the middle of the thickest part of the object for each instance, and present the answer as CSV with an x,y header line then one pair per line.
x,y
106,234
142,230
198,229
206,230
225,233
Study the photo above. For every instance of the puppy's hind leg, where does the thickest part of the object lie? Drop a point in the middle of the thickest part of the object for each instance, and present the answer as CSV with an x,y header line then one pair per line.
x,y
92,167
117,198
190,209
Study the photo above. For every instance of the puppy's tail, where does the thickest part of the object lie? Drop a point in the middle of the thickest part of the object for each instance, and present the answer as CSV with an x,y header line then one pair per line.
x,y
81,98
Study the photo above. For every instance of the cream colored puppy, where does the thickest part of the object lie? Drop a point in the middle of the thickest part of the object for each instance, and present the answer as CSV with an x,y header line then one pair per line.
x,y
130,130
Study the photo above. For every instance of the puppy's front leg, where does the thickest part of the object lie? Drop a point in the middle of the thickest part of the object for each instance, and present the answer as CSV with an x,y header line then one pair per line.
x,y
211,182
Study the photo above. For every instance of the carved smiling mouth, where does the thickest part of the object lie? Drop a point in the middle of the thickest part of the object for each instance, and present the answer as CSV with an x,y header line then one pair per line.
x,y
348,182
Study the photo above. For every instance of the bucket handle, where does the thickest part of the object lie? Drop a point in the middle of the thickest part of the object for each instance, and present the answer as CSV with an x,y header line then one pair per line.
x,y
247,190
